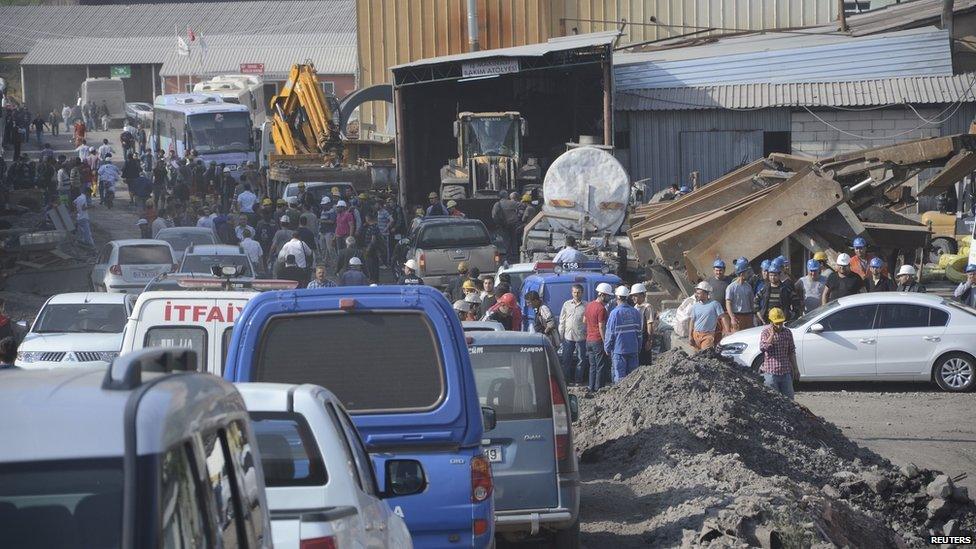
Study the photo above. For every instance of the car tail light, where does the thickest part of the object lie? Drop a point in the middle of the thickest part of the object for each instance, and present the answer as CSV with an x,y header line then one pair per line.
x,y
422,262
116,270
327,542
347,304
481,483
479,527
560,422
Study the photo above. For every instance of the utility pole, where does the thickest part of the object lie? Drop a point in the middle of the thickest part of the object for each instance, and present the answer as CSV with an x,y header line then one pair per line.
x,y
842,16
946,21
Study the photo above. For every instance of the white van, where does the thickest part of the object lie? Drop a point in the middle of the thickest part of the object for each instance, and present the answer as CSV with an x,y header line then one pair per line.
x,y
198,320
109,90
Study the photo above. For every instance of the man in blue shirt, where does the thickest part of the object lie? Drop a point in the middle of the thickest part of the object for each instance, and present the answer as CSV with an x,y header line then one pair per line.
x,y
622,341
704,318
569,254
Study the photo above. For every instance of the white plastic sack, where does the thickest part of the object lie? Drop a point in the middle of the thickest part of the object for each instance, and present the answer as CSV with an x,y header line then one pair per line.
x,y
681,317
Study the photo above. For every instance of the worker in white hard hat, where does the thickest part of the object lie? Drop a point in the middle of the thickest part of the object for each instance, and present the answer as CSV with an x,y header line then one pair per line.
x,y
474,301
703,323
354,276
622,344
410,276
638,295
843,282
907,281
595,317
572,333
462,308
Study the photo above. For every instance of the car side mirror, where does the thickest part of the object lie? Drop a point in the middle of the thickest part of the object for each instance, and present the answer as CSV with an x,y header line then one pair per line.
x,y
488,418
404,477
817,328
573,408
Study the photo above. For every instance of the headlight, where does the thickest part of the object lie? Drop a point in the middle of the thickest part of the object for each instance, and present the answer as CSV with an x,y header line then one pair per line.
x,y
732,349
107,356
28,357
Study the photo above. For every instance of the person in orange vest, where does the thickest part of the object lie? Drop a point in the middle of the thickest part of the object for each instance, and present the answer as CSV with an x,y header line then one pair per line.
x,y
861,261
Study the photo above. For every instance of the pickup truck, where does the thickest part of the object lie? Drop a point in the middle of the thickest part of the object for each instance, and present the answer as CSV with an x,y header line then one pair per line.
x,y
319,481
439,244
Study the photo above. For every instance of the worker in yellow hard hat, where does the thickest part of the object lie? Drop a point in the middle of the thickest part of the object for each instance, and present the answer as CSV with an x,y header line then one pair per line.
x,y
779,354
825,270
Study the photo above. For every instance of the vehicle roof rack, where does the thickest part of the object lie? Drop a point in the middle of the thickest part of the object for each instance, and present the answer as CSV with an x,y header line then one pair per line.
x,y
558,268
125,372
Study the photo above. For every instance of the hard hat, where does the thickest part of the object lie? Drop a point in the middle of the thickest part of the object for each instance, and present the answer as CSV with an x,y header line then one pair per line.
x,y
775,267
335,191
638,288
463,267
469,285
741,265
280,201
301,185
508,299
451,203
419,211
325,200
432,195
779,262
684,190
859,243
776,315
284,219
604,288
146,222
226,170
971,268
410,264
764,265
621,291
843,260
741,258
341,204
813,265
526,197
473,298
355,261
782,260
718,264
704,286
462,305
876,262
820,256
267,202
363,196
907,270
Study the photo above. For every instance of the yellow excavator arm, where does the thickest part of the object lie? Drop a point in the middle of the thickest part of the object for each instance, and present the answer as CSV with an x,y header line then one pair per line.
x,y
302,122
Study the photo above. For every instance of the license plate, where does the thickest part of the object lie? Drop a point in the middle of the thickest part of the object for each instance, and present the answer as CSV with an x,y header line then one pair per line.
x,y
493,453
143,275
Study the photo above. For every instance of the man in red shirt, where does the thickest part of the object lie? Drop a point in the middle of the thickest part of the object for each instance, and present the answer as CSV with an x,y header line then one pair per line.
x,y
595,317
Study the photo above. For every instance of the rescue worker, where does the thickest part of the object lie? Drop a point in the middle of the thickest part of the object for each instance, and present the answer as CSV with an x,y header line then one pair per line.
x,y
320,280
453,210
488,296
462,308
544,322
703,322
572,332
776,294
469,287
353,276
779,354
435,208
784,269
964,291
454,287
595,317
623,336
474,301
410,277
506,312
906,280
809,289
740,298
877,280
843,282
505,214
719,282
825,270
860,262
349,251
757,286
638,294
569,254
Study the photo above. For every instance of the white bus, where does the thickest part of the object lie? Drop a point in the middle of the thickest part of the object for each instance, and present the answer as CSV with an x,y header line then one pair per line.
x,y
245,89
219,131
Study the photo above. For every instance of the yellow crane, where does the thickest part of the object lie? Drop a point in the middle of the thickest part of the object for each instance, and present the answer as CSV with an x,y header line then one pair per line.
x,y
302,121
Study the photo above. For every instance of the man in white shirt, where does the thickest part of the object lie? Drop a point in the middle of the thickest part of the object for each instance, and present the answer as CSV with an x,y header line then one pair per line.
x,y
82,150
205,220
569,254
66,117
253,249
241,227
297,248
572,332
82,221
246,200
105,149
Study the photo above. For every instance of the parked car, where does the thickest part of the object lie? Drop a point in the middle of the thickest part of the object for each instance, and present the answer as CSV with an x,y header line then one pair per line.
x,y
139,113
319,479
439,244
141,454
127,265
203,258
482,326
77,329
181,238
555,286
318,190
398,361
537,488
882,336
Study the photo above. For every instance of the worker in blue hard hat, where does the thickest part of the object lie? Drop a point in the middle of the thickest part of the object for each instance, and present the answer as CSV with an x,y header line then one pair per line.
x,y
964,291
775,294
758,285
684,190
878,280
739,300
809,289
785,273
861,260
719,282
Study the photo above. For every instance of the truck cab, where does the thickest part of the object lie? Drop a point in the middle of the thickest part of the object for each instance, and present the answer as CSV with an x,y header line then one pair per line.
x,y
555,284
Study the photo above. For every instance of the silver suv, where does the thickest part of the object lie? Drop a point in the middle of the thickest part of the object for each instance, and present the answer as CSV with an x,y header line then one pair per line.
x,y
145,453
127,265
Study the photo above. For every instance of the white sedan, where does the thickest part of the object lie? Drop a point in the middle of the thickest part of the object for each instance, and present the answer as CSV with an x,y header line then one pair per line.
x,y
883,336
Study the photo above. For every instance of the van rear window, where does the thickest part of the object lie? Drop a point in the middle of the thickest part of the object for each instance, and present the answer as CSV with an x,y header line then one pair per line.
x,y
145,255
513,379
372,361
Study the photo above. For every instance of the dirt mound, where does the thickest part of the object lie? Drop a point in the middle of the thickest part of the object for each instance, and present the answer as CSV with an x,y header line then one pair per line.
x,y
696,451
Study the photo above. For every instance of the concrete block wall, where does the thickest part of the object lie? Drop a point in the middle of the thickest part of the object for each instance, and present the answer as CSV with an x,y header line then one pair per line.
x,y
876,128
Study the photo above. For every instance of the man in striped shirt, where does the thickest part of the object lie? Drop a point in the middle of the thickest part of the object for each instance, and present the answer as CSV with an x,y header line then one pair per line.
x,y
622,341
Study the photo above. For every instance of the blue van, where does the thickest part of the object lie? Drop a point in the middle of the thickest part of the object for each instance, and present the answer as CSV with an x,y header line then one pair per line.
x,y
397,358
555,286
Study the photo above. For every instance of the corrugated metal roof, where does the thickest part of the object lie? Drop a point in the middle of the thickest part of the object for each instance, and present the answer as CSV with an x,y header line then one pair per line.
x,y
903,15
330,53
864,93
22,26
561,43
99,51
921,52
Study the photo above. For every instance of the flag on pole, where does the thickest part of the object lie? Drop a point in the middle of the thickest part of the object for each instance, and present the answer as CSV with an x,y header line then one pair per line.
x,y
190,34
182,48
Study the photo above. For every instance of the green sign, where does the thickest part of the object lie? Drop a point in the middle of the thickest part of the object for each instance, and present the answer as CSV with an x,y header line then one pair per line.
x,y
121,71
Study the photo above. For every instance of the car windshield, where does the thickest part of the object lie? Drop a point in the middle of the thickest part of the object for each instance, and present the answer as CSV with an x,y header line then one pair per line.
x,y
80,318
491,136
203,263
512,379
63,503
803,319
145,255
220,132
180,241
450,235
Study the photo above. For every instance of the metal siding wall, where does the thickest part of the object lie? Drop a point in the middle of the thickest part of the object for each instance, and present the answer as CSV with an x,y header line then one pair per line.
x,y
655,138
